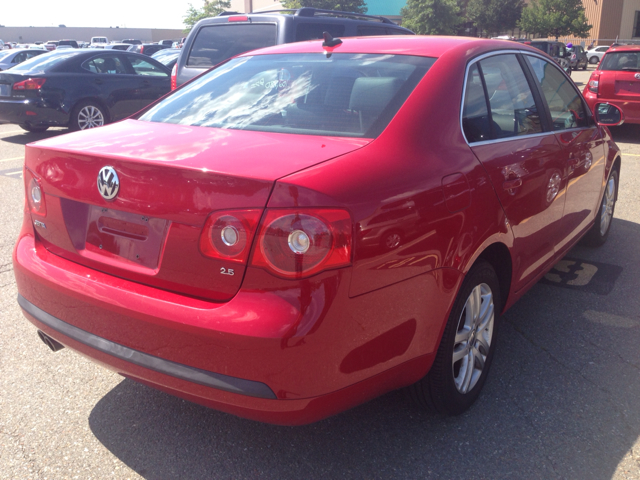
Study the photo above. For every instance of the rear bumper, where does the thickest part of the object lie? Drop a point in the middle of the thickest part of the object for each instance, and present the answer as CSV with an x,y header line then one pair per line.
x,y
256,356
32,111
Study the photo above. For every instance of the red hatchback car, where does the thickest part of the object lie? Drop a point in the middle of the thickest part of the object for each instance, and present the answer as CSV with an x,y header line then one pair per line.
x,y
617,81
217,247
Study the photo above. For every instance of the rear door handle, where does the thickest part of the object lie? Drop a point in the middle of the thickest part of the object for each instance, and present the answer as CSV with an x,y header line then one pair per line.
x,y
98,81
511,184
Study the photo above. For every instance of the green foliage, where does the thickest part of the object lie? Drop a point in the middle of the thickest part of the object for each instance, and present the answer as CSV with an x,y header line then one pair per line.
x,y
494,16
210,9
557,18
356,6
431,17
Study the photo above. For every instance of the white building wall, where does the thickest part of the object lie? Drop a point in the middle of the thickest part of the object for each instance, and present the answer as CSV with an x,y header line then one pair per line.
x,y
248,6
628,17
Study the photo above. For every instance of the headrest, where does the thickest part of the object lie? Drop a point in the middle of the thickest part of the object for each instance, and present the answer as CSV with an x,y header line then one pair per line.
x,y
373,94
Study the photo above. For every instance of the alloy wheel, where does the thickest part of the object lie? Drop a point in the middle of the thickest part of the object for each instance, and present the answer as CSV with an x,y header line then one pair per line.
x,y
608,202
90,116
473,338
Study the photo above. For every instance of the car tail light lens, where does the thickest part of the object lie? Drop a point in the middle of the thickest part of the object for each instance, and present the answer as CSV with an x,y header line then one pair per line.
x,y
30,84
594,81
302,242
228,234
35,194
174,77
142,49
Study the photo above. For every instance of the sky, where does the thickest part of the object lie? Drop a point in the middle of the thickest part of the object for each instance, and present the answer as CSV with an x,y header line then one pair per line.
x,y
84,13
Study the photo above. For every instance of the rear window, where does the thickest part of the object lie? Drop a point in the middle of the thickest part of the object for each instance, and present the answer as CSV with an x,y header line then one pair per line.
x,y
217,43
45,62
353,95
313,31
621,61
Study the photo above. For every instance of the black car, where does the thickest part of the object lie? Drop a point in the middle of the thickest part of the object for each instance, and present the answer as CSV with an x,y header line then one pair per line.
x,y
168,57
214,40
79,88
557,50
578,58
146,48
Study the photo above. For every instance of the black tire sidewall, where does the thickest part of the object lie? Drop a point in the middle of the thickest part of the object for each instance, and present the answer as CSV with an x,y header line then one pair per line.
x,y
448,398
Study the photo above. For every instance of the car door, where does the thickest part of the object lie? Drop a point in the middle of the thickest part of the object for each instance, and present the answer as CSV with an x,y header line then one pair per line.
x,y
152,81
112,83
581,142
521,154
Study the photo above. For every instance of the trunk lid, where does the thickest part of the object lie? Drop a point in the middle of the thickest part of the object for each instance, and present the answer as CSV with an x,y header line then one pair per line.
x,y
171,177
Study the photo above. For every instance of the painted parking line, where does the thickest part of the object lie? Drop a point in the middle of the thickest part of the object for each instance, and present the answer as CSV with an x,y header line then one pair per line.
x,y
630,155
583,275
12,173
11,159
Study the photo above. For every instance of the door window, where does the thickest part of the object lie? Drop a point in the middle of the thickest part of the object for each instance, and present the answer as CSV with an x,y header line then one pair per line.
x,y
565,103
142,67
110,64
475,115
513,108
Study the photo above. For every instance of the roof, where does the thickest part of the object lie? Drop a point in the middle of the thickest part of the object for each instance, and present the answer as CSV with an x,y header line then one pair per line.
x,y
420,45
624,48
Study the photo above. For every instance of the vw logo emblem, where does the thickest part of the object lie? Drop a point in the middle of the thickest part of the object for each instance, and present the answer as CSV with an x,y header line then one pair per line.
x,y
108,183
637,75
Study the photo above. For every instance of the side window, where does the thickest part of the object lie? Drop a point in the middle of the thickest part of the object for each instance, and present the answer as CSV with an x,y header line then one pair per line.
x,y
21,57
142,67
475,116
108,64
564,101
313,31
513,108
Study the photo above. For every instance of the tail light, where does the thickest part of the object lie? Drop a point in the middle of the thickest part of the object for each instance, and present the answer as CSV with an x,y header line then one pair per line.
x,y
142,49
594,81
174,77
574,56
35,194
302,242
227,235
30,84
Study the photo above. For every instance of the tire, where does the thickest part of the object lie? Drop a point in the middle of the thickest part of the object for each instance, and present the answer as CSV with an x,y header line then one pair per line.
x,y
31,129
88,114
593,60
584,67
450,387
599,232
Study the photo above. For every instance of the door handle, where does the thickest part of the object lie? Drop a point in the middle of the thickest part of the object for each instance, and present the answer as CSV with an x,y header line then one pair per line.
x,y
146,83
511,184
98,81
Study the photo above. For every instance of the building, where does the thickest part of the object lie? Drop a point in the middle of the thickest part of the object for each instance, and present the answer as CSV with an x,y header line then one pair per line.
x,y
84,34
613,19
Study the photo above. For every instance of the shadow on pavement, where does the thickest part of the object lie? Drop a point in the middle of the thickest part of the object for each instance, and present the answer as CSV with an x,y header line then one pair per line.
x,y
561,402
626,133
29,137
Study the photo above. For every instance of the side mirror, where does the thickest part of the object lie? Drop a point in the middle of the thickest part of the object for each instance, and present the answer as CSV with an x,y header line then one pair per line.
x,y
608,115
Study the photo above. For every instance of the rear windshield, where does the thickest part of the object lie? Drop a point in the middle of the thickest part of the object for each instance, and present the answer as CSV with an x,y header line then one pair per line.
x,y
621,61
44,62
353,95
216,43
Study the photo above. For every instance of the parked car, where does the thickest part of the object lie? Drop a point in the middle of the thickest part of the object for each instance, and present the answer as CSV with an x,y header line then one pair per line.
x,y
595,54
166,43
132,41
79,88
578,57
146,48
117,46
11,58
213,40
71,43
207,246
2,45
99,42
168,56
617,81
51,45
557,51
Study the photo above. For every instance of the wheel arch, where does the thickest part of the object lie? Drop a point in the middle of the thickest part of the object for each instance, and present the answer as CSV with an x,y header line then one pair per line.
x,y
498,256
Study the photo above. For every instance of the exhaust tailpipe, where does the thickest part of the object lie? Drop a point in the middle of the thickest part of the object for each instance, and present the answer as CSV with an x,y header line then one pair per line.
x,y
50,342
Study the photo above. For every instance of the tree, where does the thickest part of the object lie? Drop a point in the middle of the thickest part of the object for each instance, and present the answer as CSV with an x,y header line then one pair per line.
x,y
431,17
356,6
494,16
210,9
556,18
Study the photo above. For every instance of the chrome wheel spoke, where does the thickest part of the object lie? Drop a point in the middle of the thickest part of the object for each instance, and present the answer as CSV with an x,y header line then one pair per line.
x,y
483,345
468,373
90,117
463,335
459,353
478,359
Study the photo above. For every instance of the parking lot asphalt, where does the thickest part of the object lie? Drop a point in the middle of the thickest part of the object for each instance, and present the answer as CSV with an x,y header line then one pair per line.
x,y
562,399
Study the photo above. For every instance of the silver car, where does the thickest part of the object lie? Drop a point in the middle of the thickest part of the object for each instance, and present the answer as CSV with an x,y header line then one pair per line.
x,y
11,58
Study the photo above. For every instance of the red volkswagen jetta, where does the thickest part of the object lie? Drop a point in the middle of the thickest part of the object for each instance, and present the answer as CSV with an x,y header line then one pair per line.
x,y
306,227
